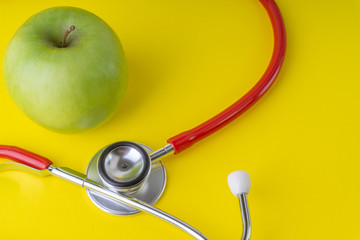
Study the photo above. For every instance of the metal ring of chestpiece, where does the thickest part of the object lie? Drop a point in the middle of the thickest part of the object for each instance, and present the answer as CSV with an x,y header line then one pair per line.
x,y
126,167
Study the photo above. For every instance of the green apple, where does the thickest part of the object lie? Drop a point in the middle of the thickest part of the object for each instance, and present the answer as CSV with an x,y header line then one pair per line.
x,y
65,69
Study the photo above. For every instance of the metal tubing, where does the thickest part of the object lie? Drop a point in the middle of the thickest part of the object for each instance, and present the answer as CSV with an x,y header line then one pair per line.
x,y
68,174
161,152
80,179
245,215
142,206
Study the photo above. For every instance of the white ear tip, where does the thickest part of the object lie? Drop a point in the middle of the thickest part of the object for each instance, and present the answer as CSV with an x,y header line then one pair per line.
x,y
239,182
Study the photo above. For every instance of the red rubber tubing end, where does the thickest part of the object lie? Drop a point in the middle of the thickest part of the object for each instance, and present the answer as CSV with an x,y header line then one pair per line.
x,y
186,139
24,157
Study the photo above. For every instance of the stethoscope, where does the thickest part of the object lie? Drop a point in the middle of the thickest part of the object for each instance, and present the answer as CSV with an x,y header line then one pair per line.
x,y
126,177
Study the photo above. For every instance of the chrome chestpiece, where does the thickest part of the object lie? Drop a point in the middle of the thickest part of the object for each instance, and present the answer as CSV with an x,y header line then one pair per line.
x,y
126,167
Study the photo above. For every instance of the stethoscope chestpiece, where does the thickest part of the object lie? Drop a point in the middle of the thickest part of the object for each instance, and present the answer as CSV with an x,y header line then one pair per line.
x,y
124,166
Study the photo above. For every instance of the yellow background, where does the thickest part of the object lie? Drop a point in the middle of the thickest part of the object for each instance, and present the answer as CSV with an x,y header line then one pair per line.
x,y
187,61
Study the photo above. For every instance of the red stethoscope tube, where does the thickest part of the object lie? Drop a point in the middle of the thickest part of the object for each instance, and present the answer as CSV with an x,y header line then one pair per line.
x,y
186,139
25,157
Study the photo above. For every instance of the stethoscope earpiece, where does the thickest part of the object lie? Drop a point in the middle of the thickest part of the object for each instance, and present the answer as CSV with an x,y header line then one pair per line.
x,y
239,183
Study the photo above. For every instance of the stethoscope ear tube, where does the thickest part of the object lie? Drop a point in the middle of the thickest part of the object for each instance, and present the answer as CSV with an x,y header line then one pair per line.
x,y
186,139
24,157
239,184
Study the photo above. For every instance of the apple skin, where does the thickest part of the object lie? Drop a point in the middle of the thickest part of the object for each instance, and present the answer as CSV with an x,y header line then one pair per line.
x,y
68,89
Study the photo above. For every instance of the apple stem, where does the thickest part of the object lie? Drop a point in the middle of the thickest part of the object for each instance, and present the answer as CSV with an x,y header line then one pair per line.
x,y
66,33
